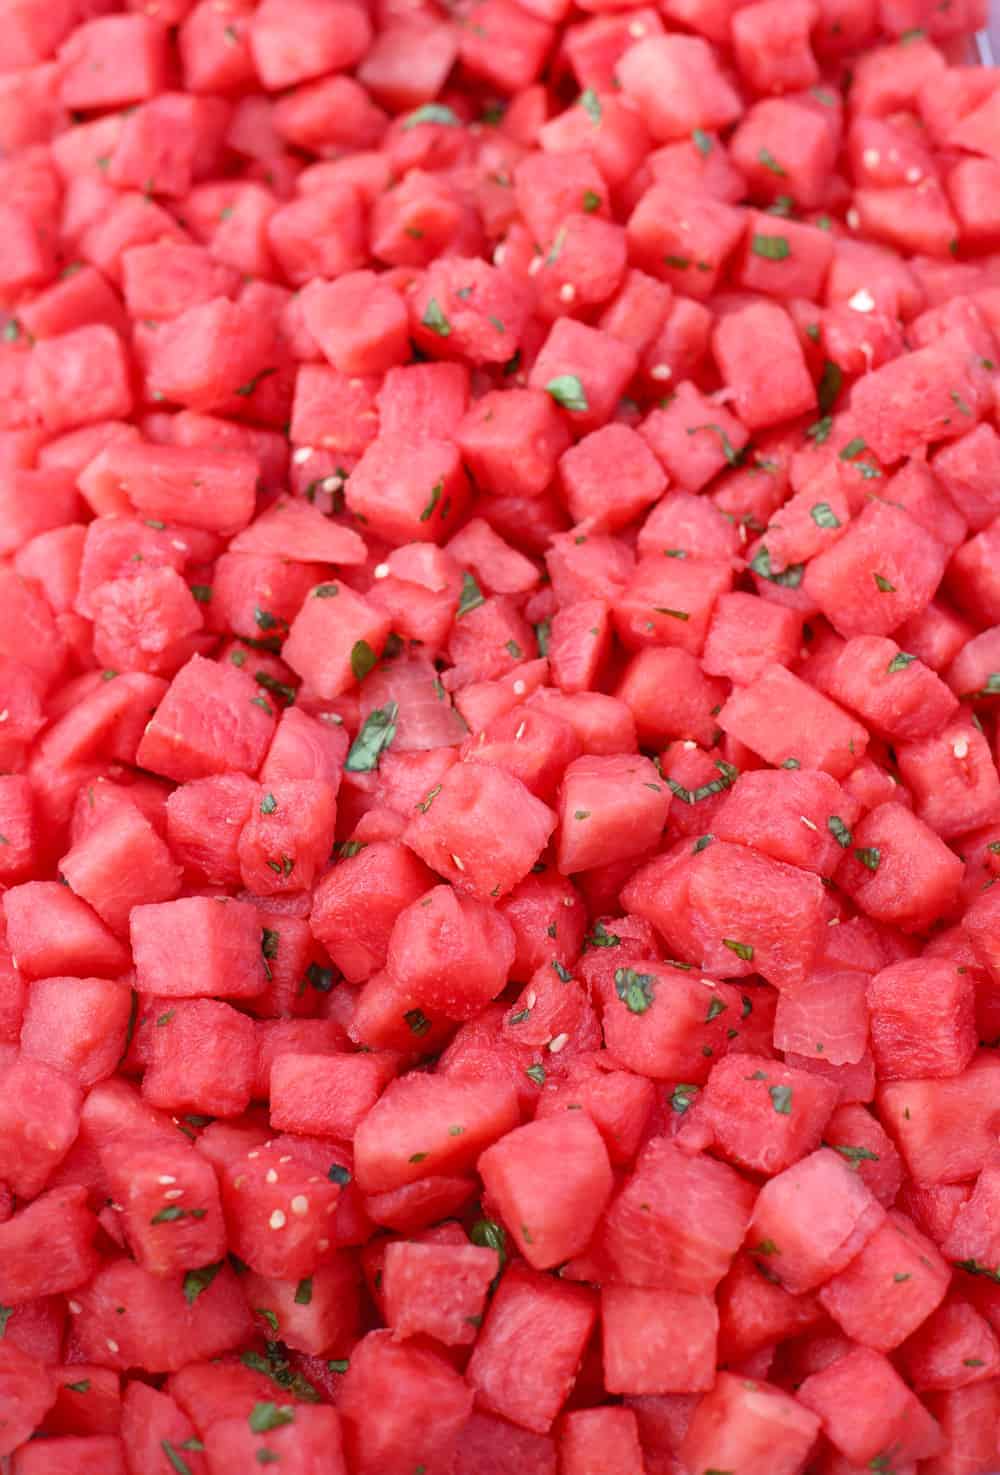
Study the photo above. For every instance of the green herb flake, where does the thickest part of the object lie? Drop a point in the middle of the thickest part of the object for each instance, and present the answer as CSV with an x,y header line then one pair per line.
x,y
702,843
789,578
973,1362
336,1173
543,634
716,1007
839,831
634,989
591,104
591,201
732,455
268,804
770,163
883,585
435,320
781,1099
915,33
791,763
338,1365
247,389
429,798
784,206
196,1281
304,1291
823,515
900,662
702,142
265,1456
869,856
675,614
363,658
563,973
678,263
326,591
177,1460
266,1416
471,597
771,248
742,950
568,391
536,1073
830,385
375,736
417,1021
201,592
435,497
820,432
489,1235
168,1215
601,937
855,1155
433,112
766,1247
682,1096
514,650
960,402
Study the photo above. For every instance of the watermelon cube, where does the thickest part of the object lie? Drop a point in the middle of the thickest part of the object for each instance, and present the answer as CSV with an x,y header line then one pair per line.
x,y
781,717
588,470
128,1318
437,1290
409,492
39,1120
617,1102
585,370
317,1314
204,821
965,1417
942,1127
749,1426
679,85
867,1411
922,1019
609,809
530,1392
78,1025
609,1435
47,1247
764,1117
457,836
755,1311
670,602
967,469
788,814
972,1239
52,933
202,1058
747,634
890,1288
693,437
747,913
657,1341
293,1436
335,634
88,1401
677,1222
121,863
27,1392
169,1202
670,696
519,1173
278,1211
80,377
198,946
827,1016
898,870
890,690
684,239
666,1022
424,1404
952,777
944,391
359,323
511,440
781,1232
759,354
324,1095
412,1125
454,952
211,720
357,902
881,572
287,836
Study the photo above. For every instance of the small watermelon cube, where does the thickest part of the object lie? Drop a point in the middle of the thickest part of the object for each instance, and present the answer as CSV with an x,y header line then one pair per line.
x,y
424,1405
747,634
666,1022
898,870
324,1095
359,323
409,1133
27,1392
202,1058
589,470
608,1434
942,1126
39,1121
212,719
749,1426
952,777
61,1221
455,953
867,1411
335,635
457,834
317,1314
437,1290
121,863
409,491
883,571
890,1288
295,1436
128,1318
934,393
357,902
972,1239
678,1221
657,1341
795,1246
530,1391
53,933
519,1173
922,1019
891,691
679,84
670,602
787,814
198,946
278,1212
287,836
609,809
169,1205
511,440
78,1025
685,239
759,355
781,717
693,437
764,1117
584,370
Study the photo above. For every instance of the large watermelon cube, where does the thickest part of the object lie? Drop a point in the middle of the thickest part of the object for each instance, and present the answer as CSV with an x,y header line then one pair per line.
x,y
657,1341
198,947
212,719
780,717
923,1020
751,1427
423,1405
47,1248
437,1290
867,1411
764,1116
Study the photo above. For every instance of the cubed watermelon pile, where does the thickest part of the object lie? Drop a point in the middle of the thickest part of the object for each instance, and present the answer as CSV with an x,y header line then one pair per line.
x,y
499,719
